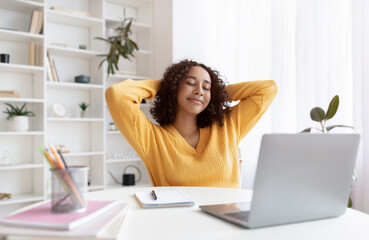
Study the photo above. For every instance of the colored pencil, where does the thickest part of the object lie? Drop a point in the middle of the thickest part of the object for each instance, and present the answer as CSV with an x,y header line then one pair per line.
x,y
69,182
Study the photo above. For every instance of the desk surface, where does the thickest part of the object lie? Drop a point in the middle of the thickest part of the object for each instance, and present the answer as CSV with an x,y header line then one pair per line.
x,y
192,223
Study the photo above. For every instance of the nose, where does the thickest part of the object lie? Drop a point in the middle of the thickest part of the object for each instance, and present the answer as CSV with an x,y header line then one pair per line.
x,y
198,91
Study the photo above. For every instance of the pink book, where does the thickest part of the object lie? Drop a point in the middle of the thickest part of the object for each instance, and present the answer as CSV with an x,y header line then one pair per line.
x,y
42,217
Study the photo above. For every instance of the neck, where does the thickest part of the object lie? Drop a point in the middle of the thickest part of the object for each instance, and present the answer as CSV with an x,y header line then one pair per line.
x,y
186,124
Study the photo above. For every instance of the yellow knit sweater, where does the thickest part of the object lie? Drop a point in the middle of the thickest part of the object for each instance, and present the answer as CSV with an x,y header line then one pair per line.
x,y
169,159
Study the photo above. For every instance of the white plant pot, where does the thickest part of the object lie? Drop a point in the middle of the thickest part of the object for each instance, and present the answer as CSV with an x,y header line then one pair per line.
x,y
19,124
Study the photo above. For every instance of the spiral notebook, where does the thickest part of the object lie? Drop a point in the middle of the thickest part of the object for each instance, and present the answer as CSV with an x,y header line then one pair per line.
x,y
165,198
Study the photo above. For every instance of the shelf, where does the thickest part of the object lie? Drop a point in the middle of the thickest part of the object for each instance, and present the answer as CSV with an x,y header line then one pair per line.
x,y
135,27
31,133
21,5
19,36
21,166
20,68
132,3
25,100
71,19
72,85
122,160
95,187
72,52
113,132
120,77
82,154
75,119
21,199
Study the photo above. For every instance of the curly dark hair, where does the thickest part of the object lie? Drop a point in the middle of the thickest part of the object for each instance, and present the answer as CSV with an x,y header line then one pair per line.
x,y
165,106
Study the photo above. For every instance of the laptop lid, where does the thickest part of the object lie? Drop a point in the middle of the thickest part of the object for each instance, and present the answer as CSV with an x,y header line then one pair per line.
x,y
302,177
299,177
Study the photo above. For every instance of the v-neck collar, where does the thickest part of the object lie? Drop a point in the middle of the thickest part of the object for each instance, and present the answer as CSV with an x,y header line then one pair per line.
x,y
200,146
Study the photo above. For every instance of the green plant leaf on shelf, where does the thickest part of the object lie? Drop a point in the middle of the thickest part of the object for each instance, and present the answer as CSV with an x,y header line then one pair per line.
x,y
334,126
333,106
83,106
14,111
317,114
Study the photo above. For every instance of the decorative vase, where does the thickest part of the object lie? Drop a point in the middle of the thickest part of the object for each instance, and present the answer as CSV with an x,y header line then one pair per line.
x,y
19,124
83,114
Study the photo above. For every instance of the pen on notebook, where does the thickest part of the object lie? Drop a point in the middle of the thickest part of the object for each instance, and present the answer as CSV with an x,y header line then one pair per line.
x,y
153,194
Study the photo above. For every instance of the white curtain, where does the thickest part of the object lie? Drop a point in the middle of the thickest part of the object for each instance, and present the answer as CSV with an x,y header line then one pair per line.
x,y
306,46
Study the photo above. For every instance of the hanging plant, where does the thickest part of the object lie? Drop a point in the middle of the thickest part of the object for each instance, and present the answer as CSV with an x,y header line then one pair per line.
x,y
121,45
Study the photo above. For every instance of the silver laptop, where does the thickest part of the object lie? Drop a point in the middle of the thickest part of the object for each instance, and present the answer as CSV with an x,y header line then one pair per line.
x,y
299,177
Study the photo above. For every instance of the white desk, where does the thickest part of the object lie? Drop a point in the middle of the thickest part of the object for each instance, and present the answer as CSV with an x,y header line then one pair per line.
x,y
191,223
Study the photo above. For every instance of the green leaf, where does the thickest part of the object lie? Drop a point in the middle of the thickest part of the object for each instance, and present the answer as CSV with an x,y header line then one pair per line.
x,y
120,45
317,114
333,106
334,126
306,130
13,111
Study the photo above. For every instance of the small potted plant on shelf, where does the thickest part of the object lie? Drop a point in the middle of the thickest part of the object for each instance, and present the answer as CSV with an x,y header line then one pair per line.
x,y
18,117
83,107
121,45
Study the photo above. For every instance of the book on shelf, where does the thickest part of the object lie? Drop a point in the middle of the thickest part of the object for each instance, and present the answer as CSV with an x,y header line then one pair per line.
x,y
52,68
56,72
37,21
32,26
74,12
32,53
163,198
105,226
49,76
40,23
10,94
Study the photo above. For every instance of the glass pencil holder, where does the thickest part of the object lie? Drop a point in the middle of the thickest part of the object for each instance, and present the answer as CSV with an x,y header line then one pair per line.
x,y
69,189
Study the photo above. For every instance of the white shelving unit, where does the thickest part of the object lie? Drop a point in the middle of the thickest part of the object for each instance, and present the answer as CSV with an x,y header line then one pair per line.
x,y
88,139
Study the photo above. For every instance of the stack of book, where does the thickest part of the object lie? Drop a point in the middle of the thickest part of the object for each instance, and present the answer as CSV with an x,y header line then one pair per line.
x,y
36,22
102,220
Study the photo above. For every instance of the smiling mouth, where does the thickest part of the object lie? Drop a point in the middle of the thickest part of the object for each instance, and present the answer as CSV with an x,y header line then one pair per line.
x,y
196,101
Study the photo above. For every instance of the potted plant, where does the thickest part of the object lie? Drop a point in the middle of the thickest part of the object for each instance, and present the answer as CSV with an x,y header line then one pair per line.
x,y
18,117
317,114
121,45
83,107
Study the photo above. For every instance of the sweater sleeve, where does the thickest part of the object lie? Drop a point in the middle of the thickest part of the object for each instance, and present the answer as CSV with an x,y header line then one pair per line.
x,y
123,100
255,98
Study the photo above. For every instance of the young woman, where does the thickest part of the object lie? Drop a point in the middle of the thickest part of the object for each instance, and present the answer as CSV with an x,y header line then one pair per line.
x,y
196,141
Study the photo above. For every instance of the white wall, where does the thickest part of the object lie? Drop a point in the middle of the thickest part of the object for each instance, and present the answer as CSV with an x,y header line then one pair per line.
x,y
162,23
